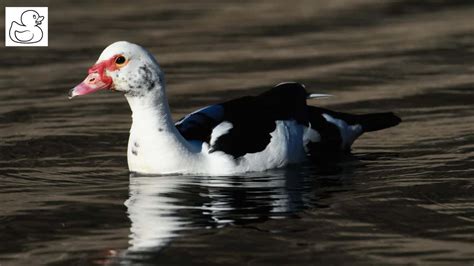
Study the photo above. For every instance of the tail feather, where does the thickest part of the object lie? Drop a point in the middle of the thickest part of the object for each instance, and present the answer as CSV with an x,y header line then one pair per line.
x,y
317,95
378,121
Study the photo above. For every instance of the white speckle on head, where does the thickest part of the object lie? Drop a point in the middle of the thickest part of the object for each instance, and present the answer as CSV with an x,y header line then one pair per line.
x,y
219,130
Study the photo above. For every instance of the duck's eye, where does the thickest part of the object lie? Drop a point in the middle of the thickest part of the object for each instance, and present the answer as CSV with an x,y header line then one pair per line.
x,y
120,60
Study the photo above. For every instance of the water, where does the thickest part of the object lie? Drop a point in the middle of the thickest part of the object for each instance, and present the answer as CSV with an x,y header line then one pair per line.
x,y
404,196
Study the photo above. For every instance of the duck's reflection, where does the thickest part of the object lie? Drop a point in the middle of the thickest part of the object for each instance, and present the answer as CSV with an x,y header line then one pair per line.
x,y
152,211
163,207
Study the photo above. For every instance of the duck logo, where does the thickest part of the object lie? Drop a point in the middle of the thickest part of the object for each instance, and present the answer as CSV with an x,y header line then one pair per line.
x,y
26,26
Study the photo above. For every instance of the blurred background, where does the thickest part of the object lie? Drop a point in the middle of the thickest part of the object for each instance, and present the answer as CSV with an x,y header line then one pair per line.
x,y
404,197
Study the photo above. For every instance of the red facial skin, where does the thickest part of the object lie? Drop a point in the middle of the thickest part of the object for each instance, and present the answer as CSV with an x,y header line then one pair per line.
x,y
97,78
102,66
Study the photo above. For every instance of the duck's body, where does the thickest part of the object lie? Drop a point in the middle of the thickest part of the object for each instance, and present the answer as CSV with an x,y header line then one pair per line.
x,y
267,131
209,144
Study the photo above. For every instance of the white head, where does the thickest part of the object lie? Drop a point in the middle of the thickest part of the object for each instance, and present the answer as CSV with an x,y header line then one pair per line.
x,y
125,67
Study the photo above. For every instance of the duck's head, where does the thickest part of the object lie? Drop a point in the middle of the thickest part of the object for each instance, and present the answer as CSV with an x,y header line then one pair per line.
x,y
31,18
124,67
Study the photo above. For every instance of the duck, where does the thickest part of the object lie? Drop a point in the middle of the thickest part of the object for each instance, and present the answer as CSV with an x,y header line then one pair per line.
x,y
28,31
274,129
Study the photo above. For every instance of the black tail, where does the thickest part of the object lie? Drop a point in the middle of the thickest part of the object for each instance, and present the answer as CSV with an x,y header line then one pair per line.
x,y
378,121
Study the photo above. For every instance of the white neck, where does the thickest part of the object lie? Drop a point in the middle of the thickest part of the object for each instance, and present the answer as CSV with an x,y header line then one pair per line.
x,y
155,145
154,107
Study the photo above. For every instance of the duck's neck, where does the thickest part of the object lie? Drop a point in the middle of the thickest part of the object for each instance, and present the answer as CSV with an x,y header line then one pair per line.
x,y
151,111
155,145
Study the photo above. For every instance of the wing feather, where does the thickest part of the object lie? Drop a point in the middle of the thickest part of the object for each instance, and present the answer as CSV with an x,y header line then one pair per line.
x,y
253,118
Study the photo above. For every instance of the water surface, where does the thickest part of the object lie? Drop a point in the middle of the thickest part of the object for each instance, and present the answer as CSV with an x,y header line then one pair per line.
x,y
404,195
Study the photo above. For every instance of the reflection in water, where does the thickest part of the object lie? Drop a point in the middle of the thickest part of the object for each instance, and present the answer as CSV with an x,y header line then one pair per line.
x,y
152,211
163,207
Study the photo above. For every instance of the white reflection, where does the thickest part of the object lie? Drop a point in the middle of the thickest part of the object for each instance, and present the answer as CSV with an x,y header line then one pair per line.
x,y
162,207
152,212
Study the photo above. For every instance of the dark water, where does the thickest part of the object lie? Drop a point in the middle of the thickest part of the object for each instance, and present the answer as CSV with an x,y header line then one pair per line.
x,y
404,196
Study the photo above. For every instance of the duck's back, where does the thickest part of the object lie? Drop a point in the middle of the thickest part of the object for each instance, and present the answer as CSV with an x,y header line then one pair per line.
x,y
277,127
245,125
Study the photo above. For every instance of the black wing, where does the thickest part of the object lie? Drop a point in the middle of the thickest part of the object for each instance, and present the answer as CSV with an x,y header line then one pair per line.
x,y
199,124
252,119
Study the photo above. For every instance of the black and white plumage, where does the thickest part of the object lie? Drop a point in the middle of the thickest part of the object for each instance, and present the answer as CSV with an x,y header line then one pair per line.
x,y
251,133
249,121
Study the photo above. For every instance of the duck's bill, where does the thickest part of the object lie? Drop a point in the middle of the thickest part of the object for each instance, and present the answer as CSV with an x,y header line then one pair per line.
x,y
91,84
